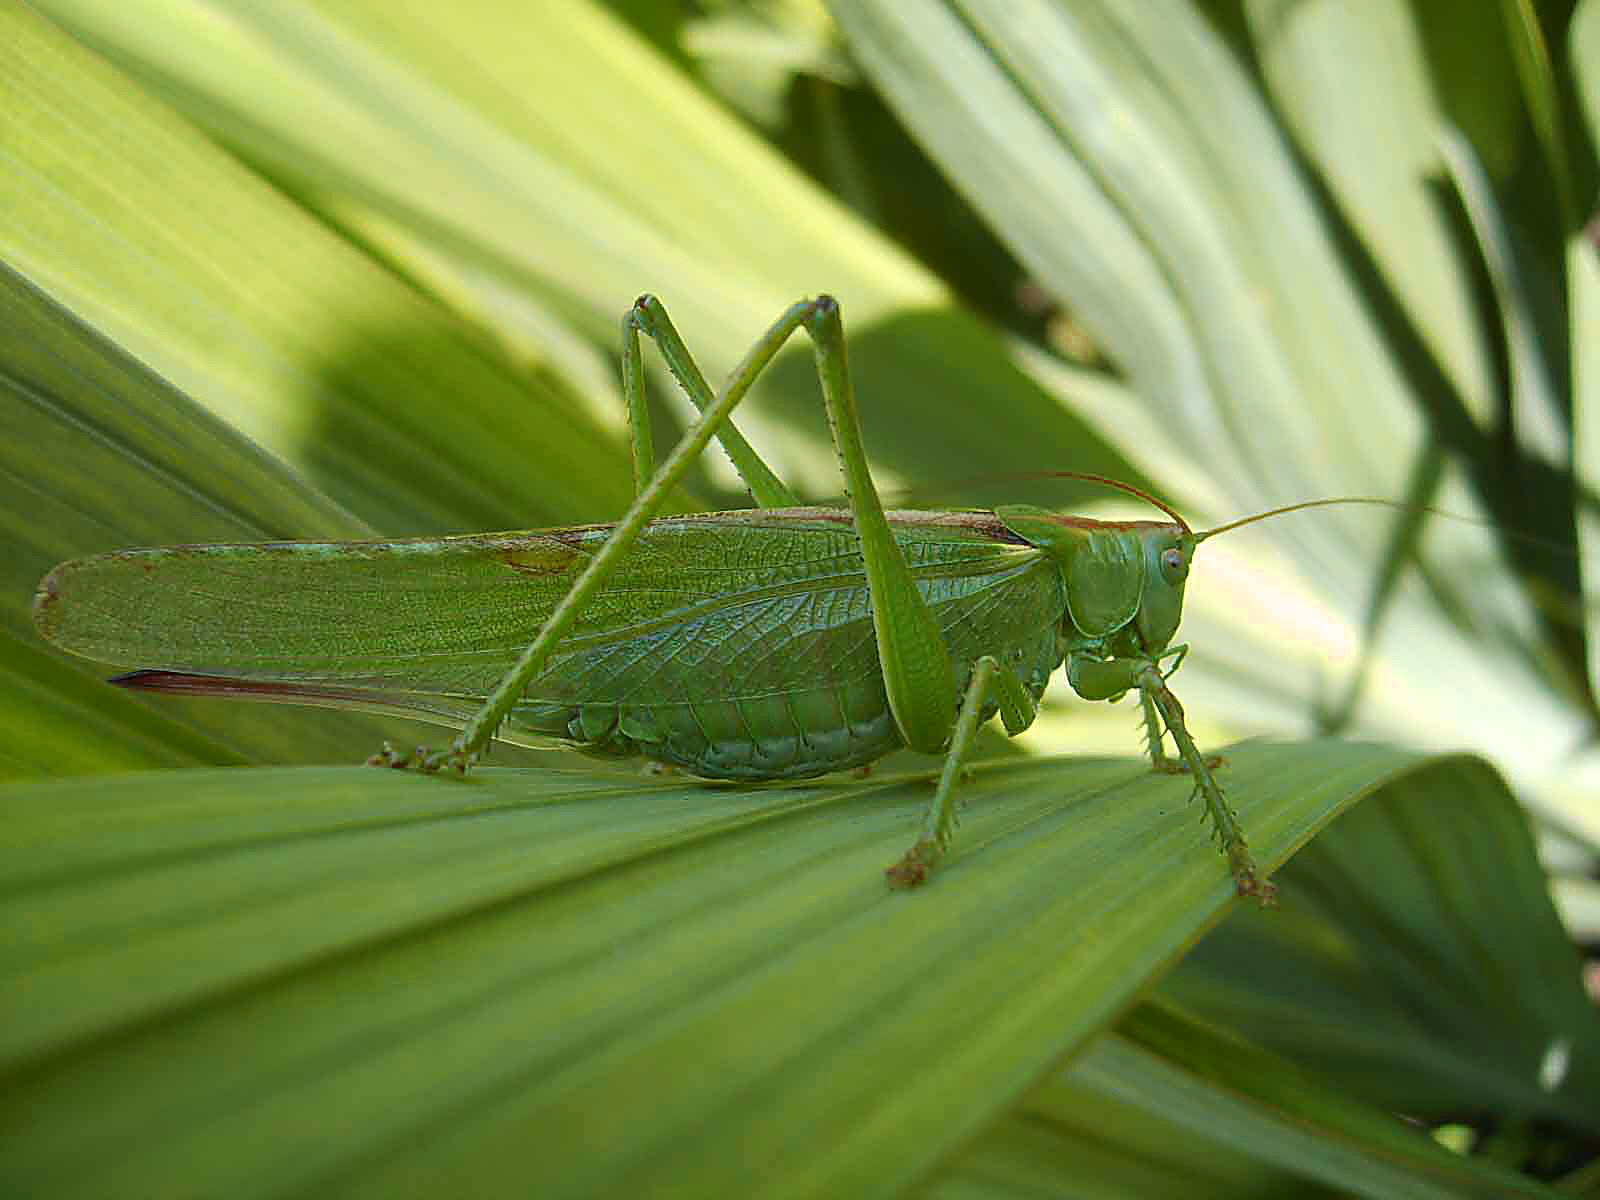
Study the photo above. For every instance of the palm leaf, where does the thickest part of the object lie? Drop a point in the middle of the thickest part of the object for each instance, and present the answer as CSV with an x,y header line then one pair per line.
x,y
325,270
587,984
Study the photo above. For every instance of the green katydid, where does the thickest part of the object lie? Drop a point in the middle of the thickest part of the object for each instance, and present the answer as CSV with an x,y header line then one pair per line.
x,y
774,643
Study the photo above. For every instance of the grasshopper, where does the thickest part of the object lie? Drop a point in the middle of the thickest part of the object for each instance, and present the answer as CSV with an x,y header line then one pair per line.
x,y
779,642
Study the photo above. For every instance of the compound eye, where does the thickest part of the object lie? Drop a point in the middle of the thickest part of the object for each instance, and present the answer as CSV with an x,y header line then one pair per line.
x,y
1174,566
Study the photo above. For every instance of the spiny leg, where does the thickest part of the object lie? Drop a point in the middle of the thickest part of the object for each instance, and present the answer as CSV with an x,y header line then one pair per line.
x,y
398,759
1247,876
989,680
1154,742
1155,739
1160,760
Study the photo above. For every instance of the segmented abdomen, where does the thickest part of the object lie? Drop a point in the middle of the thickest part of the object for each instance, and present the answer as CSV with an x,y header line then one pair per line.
x,y
789,735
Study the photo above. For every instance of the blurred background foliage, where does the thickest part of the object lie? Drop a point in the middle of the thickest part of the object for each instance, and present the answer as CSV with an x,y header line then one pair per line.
x,y
333,269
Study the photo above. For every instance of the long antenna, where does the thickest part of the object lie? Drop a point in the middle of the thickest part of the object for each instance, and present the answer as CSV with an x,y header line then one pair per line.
x,y
1261,516
1289,508
1121,487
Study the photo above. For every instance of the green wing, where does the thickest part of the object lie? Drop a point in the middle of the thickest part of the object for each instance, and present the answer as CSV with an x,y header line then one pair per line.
x,y
717,606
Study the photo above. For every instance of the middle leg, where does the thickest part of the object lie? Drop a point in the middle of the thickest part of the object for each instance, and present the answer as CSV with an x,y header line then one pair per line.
x,y
990,680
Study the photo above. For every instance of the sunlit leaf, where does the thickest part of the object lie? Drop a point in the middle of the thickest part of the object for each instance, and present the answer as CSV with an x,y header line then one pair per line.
x,y
1419,964
593,983
314,269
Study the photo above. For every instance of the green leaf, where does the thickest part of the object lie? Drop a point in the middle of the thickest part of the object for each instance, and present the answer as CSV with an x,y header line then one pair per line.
x,y
235,297
633,182
1541,95
1583,282
1181,1081
391,303
1417,963
1355,88
585,983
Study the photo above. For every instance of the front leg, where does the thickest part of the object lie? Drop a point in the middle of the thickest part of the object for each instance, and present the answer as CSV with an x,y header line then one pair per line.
x,y
1155,739
1108,678
1159,761
1247,877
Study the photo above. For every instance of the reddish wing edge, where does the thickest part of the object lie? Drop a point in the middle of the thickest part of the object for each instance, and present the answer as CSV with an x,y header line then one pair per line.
x,y
181,683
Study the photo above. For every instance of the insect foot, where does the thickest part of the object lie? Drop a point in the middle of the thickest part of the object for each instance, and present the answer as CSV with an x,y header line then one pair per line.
x,y
1174,766
390,757
913,870
454,759
1247,880
429,762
